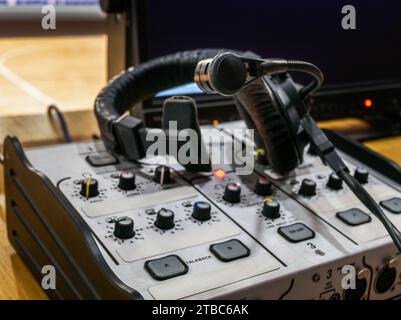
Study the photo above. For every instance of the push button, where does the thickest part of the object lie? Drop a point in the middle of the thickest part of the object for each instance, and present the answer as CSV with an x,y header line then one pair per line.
x,y
166,267
230,250
296,232
101,159
393,205
353,217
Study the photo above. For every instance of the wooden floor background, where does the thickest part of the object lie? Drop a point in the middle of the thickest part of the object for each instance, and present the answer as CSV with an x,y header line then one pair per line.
x,y
68,71
34,72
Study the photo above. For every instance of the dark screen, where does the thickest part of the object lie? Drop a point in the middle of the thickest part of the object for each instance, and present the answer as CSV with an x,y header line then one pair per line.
x,y
310,30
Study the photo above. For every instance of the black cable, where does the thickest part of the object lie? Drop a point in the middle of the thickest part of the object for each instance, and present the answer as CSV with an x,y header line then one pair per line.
x,y
271,66
61,120
330,157
309,68
372,205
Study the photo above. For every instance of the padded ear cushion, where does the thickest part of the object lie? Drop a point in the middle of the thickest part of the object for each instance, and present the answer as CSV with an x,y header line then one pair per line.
x,y
272,127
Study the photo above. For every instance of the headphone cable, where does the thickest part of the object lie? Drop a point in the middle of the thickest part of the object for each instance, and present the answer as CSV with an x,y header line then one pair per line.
x,y
272,66
372,205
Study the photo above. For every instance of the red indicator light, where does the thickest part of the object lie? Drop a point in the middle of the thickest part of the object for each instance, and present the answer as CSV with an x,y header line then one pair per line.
x,y
368,103
220,173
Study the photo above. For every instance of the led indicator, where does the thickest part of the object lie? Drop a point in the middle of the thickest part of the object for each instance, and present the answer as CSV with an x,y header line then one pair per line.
x,y
368,103
220,173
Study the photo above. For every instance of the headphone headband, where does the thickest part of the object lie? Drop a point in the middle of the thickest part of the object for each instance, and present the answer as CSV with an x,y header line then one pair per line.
x,y
142,82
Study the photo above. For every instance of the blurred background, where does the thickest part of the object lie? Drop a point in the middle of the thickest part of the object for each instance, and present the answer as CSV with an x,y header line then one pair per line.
x,y
69,65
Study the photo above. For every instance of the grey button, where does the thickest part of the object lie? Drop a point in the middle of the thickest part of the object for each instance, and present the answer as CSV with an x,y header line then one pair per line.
x,y
393,205
353,217
101,159
166,267
230,250
296,232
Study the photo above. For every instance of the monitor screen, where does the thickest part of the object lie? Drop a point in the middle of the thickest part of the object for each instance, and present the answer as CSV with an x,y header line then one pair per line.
x,y
310,30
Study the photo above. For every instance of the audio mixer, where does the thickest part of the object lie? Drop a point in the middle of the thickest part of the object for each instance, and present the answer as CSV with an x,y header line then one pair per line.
x,y
117,229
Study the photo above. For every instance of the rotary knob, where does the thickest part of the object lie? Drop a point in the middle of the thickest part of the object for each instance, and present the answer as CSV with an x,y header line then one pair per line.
x,y
202,211
308,187
89,188
334,182
232,193
124,228
165,219
162,175
361,174
271,209
126,180
263,187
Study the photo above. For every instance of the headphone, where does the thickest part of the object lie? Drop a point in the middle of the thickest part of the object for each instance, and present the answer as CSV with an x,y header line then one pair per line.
x,y
267,98
269,104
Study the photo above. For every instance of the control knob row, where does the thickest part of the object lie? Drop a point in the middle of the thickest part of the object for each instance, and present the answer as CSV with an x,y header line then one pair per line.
x,y
124,227
308,186
232,191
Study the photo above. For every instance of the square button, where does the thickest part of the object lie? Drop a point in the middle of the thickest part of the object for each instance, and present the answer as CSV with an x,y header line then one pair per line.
x,y
296,232
393,205
353,217
230,250
101,159
166,267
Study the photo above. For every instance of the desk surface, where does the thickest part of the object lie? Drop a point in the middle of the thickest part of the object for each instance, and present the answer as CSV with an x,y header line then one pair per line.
x,y
71,72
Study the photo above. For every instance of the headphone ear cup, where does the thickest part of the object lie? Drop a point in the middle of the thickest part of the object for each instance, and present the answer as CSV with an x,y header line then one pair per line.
x,y
272,127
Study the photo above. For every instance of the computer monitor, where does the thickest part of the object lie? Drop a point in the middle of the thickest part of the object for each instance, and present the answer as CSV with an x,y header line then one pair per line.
x,y
309,30
362,66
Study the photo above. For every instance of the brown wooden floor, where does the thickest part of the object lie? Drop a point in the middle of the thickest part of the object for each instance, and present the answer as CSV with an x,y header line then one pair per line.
x,y
70,71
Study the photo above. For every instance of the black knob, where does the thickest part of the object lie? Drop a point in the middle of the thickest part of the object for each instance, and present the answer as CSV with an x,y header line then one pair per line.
x,y
126,180
89,188
361,174
162,175
334,182
263,187
261,157
271,209
124,228
308,187
201,211
165,219
232,193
